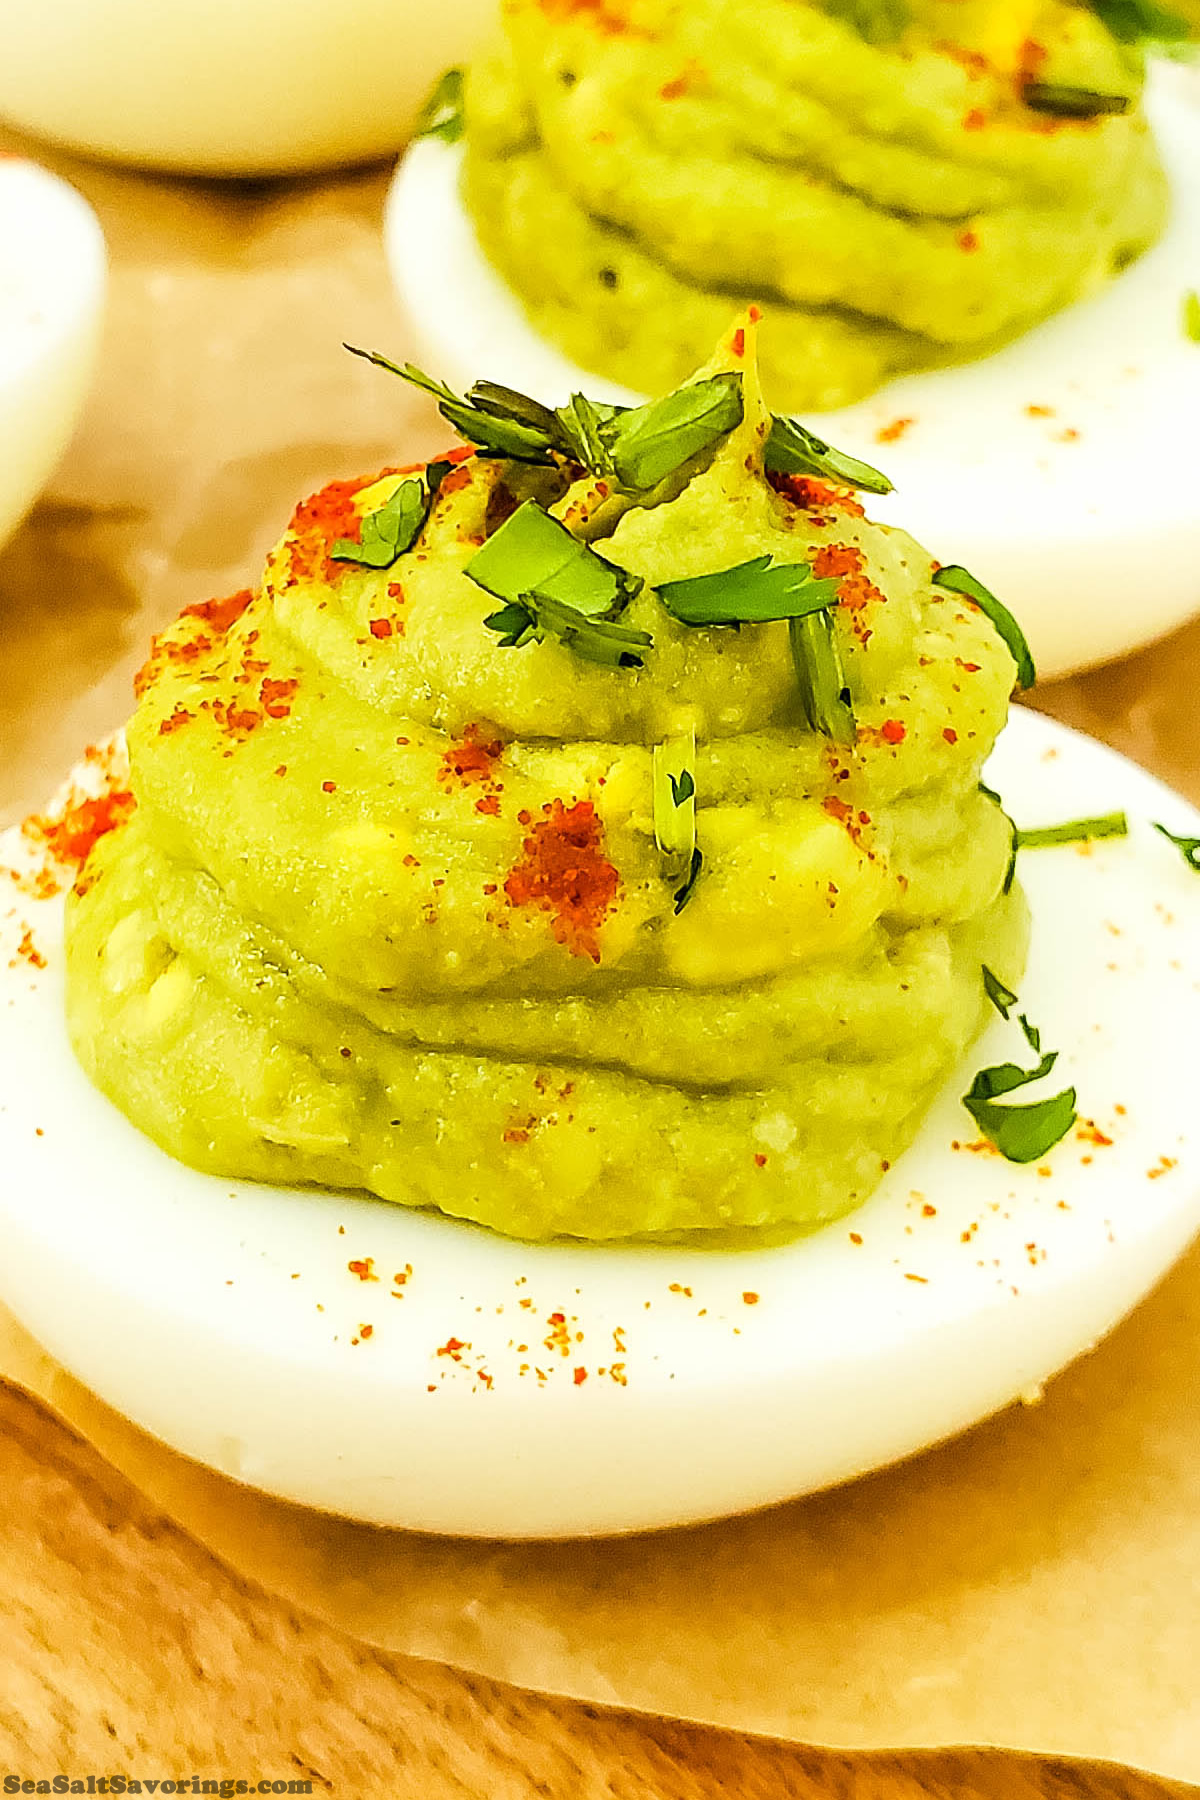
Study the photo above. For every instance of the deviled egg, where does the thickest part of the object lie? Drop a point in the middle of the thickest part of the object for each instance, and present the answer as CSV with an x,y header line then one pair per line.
x,y
266,87
594,835
980,194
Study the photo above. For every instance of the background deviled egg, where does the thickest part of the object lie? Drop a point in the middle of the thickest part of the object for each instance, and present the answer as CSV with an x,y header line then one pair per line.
x,y
52,284
265,87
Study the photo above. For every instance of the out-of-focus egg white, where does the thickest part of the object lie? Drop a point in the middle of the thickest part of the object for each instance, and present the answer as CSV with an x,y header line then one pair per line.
x,y
52,282
1062,470
229,87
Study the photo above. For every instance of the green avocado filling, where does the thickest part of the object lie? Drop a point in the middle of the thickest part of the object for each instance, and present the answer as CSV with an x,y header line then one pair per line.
x,y
907,183
546,936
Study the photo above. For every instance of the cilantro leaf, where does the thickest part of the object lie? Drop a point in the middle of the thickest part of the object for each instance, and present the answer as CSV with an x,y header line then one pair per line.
x,y
389,530
532,552
684,894
538,616
1008,1078
1133,21
442,115
556,586
1024,1133
648,443
638,446
673,782
500,402
821,678
515,624
1066,102
1001,997
1075,831
794,450
435,473
876,21
1011,872
957,580
579,423
1188,847
751,593
490,432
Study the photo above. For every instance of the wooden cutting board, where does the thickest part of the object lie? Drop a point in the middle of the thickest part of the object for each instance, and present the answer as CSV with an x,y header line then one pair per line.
x,y
125,1647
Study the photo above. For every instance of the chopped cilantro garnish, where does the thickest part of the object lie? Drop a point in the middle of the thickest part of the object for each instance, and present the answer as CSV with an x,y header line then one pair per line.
x,y
1075,831
684,894
537,616
636,446
794,450
514,625
1010,874
1001,997
674,790
759,591
876,21
648,443
532,552
957,580
494,433
751,593
554,585
1188,847
442,115
1022,1134
500,402
821,678
579,423
1191,316
1133,21
388,531
642,445
1072,102
435,473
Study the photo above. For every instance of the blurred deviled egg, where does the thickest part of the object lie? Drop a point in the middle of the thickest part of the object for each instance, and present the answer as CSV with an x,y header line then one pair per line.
x,y
975,228
266,87
52,283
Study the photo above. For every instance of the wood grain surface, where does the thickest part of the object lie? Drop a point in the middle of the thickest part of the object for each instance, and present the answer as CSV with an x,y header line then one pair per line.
x,y
126,1648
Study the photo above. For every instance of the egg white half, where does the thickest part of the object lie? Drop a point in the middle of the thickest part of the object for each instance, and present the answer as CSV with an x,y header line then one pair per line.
x,y
52,286
1085,515
230,87
228,1318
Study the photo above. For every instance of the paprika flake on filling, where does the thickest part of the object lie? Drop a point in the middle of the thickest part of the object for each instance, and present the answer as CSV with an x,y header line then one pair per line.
x,y
207,621
564,870
471,759
332,513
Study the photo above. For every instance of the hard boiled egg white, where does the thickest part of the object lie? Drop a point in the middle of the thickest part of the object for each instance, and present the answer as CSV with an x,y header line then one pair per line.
x,y
1064,471
403,1368
260,87
52,282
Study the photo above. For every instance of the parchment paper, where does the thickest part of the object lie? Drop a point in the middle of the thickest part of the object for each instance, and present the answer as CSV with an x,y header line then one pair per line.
x,y
1032,1585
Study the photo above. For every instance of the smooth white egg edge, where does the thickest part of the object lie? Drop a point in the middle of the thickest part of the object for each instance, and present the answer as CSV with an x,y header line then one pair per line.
x,y
51,315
